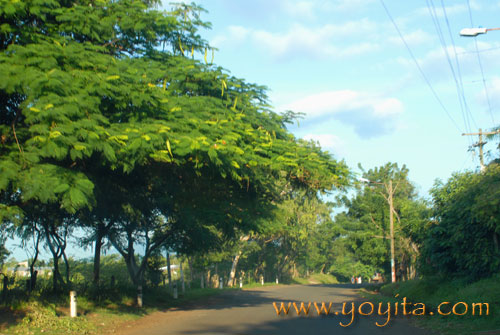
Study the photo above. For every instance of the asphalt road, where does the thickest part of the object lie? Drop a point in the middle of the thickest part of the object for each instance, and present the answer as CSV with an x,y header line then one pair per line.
x,y
251,312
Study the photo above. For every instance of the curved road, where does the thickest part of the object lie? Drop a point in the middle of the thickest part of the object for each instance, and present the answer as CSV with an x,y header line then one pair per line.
x,y
251,312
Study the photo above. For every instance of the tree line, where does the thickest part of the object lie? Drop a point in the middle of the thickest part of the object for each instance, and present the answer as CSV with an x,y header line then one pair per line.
x,y
110,125
116,122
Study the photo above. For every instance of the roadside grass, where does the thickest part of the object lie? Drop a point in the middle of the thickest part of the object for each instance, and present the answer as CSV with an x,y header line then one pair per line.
x,y
316,278
255,284
434,291
50,315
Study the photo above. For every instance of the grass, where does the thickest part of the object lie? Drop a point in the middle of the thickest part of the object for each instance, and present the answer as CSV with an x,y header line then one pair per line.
x,y
317,278
50,315
434,291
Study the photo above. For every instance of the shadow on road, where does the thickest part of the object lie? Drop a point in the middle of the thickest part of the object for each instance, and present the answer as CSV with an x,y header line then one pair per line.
x,y
229,300
314,325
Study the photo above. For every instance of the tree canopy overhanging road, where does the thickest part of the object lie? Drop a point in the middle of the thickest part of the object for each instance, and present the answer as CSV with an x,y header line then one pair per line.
x,y
118,130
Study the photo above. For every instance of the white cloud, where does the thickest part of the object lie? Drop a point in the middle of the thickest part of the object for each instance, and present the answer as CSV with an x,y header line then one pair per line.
x,y
328,142
436,66
349,5
301,9
235,35
450,10
493,87
371,115
415,38
299,40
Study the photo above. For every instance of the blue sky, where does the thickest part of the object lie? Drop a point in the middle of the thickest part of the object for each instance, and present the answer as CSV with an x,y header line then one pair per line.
x,y
343,64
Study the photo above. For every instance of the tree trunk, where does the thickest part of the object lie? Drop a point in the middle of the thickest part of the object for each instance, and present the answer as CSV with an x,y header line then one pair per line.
x,y
56,254
190,264
97,256
495,241
57,274
66,263
33,275
169,272
232,274
183,285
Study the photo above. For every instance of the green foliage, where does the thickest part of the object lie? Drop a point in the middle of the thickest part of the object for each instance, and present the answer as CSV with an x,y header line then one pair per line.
x,y
464,239
106,124
4,253
365,226
434,289
346,266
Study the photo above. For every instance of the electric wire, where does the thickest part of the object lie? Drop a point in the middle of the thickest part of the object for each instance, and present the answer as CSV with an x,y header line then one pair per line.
x,y
468,114
480,65
480,51
433,14
418,66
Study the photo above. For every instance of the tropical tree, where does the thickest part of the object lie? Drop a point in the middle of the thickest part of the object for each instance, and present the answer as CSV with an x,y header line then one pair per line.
x,y
464,237
106,123
366,223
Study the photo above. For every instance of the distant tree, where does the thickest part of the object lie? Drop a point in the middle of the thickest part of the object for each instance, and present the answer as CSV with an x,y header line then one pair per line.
x,y
365,224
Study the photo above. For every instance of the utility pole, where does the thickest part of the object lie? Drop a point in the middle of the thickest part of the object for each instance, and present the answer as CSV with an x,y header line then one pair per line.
x,y
391,220
389,198
480,144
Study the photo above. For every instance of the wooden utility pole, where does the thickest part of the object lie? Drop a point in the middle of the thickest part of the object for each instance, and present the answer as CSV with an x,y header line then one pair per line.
x,y
391,220
480,144
389,198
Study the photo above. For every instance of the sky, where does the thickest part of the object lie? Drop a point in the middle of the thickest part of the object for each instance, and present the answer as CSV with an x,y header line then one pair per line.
x,y
344,64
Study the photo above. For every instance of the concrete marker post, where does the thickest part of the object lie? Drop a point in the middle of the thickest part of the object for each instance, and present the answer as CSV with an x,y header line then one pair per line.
x,y
72,304
241,282
176,294
220,283
139,296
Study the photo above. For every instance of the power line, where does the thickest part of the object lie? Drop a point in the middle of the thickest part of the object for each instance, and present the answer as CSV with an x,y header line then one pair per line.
x,y
440,34
480,65
418,66
466,111
480,51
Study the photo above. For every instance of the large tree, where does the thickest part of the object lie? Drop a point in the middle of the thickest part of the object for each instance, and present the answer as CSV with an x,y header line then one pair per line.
x,y
107,122
464,237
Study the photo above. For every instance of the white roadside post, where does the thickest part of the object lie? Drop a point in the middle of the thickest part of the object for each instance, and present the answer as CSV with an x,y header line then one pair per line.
x,y
176,295
220,283
72,304
262,280
241,282
139,296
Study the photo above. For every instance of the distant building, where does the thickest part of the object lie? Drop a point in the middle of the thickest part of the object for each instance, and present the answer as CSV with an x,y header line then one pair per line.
x,y
22,270
173,268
